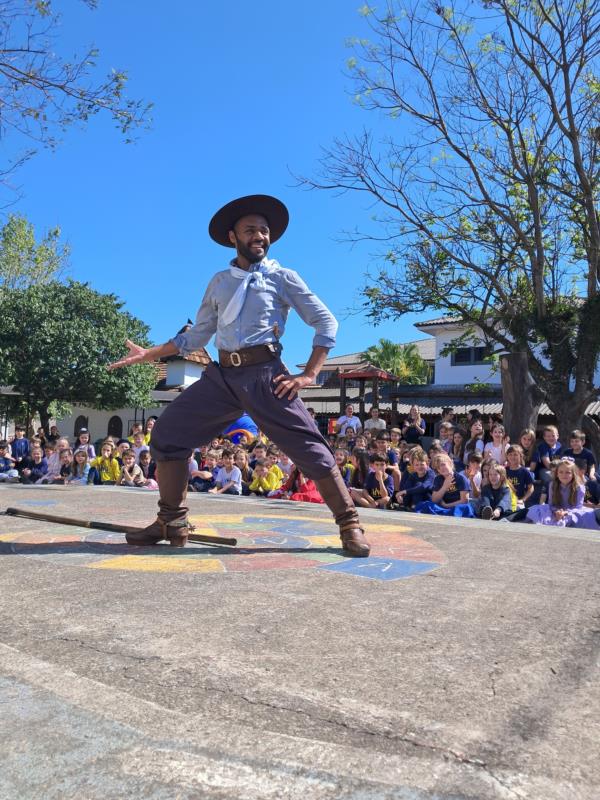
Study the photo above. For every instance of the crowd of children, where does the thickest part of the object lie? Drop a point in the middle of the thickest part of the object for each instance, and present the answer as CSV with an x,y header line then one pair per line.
x,y
470,470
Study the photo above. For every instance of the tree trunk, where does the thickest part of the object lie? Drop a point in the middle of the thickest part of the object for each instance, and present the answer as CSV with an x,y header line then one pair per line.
x,y
592,434
521,395
44,419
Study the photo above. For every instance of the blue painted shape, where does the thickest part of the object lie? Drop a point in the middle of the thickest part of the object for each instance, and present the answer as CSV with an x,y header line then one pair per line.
x,y
294,527
280,540
381,569
38,502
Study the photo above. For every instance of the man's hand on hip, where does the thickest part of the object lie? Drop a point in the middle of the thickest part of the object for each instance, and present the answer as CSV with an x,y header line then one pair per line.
x,y
290,385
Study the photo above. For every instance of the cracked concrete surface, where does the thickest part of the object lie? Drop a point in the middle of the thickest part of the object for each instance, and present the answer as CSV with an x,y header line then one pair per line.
x,y
476,681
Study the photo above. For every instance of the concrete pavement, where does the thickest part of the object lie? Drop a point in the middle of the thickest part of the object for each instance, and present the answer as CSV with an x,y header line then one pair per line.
x,y
459,661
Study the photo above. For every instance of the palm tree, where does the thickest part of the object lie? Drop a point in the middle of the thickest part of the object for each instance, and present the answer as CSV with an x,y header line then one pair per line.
x,y
402,360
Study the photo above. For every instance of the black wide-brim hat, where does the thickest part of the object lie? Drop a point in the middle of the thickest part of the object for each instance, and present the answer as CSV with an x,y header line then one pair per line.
x,y
268,207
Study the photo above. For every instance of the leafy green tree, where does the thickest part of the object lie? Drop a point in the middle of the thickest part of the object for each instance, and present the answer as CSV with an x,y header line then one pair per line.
x,y
402,360
56,341
23,261
43,93
486,178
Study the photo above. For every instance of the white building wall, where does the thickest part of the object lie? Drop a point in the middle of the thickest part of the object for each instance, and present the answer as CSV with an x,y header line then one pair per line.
x,y
446,373
98,420
183,373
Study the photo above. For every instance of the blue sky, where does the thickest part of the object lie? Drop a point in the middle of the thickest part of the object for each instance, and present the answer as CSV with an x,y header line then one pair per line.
x,y
245,95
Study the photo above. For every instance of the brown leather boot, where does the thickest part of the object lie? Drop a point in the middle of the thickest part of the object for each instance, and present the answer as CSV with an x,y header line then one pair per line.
x,y
171,522
334,492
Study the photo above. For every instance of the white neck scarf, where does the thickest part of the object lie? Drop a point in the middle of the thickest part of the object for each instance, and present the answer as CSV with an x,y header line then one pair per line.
x,y
254,278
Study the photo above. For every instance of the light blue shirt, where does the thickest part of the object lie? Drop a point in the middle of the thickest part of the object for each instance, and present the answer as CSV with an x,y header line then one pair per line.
x,y
263,315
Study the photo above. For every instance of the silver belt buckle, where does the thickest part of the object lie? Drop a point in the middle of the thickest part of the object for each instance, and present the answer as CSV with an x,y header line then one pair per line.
x,y
235,359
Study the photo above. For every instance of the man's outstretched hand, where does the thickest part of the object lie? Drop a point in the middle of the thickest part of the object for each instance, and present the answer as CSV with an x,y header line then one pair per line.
x,y
136,355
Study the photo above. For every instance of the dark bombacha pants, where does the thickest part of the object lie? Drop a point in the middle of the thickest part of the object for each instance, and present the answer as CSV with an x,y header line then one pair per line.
x,y
222,394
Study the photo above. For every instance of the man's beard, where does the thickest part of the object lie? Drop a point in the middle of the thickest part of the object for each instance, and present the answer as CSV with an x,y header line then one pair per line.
x,y
249,254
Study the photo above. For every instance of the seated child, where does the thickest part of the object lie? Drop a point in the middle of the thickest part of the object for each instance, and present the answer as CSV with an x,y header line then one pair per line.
x,y
547,451
148,467
576,450
7,464
80,468
121,447
202,480
66,461
19,448
229,477
285,464
472,472
35,466
105,468
592,487
496,495
259,453
518,474
345,468
565,497
264,481
417,481
139,445
378,487
54,462
446,434
272,459
297,488
450,492
241,462
131,473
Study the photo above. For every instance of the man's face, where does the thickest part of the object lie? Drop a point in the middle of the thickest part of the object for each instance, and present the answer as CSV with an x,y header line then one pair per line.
x,y
251,237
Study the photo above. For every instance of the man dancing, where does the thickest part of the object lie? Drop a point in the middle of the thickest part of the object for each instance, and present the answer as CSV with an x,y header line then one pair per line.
x,y
246,306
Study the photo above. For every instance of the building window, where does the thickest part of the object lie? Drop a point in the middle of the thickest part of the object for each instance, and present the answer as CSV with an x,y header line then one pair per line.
x,y
115,427
80,422
468,356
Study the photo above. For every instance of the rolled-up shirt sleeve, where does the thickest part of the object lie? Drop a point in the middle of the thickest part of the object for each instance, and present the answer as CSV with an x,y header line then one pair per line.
x,y
204,328
310,309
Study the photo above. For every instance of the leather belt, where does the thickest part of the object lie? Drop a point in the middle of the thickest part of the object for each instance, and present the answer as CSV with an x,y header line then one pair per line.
x,y
247,356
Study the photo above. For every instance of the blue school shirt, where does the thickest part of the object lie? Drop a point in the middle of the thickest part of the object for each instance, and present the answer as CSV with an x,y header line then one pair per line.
x,y
263,312
592,492
20,448
372,485
521,479
544,450
6,464
459,484
417,489
585,455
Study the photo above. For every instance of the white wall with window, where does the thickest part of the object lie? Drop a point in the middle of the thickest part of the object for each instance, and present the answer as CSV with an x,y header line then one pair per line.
x,y
466,365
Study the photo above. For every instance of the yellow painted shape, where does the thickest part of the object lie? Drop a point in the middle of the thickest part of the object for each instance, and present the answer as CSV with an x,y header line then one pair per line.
x,y
160,564
9,537
324,541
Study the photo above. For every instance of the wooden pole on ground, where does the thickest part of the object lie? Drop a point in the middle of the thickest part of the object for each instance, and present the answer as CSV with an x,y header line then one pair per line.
x,y
110,526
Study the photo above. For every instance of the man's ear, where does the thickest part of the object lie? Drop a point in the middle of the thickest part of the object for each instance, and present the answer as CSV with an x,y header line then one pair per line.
x,y
231,235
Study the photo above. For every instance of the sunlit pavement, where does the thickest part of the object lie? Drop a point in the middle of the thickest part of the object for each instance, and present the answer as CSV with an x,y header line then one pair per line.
x,y
460,660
